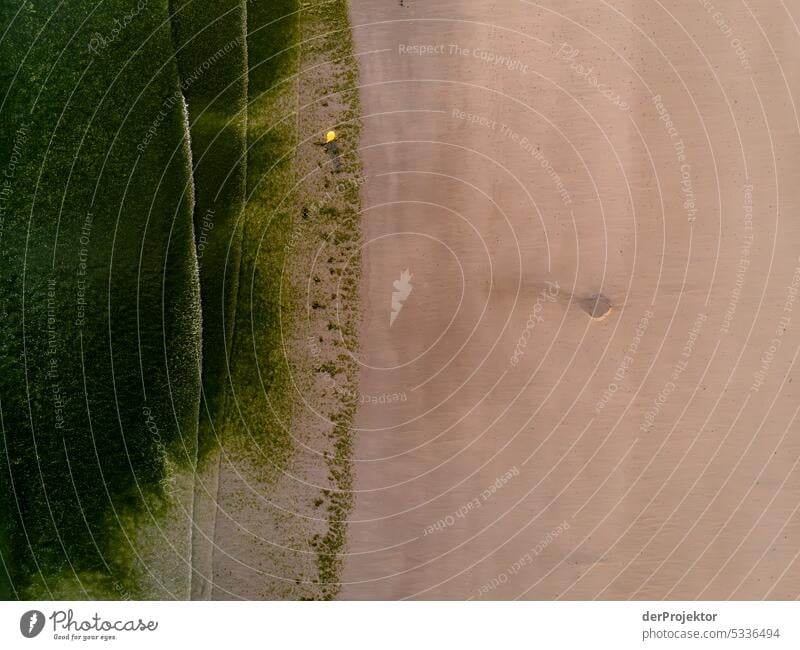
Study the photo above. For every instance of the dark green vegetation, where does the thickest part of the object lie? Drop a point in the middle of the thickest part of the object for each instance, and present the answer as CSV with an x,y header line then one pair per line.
x,y
100,294
211,50
147,218
331,70
256,444
258,360
302,82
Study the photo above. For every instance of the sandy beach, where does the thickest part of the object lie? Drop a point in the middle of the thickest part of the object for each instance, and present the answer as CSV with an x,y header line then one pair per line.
x,y
580,270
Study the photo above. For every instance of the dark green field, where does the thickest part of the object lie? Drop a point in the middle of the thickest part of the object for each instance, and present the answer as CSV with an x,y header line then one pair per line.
x,y
101,331
146,153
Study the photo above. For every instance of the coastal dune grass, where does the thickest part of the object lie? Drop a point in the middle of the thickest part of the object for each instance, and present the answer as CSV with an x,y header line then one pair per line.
x,y
279,496
146,220
259,361
256,444
211,51
101,335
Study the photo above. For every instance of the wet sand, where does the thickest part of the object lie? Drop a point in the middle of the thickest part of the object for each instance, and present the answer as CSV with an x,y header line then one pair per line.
x,y
582,386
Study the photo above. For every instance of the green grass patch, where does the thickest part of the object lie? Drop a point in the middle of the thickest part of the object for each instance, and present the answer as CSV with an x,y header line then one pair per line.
x,y
328,50
211,50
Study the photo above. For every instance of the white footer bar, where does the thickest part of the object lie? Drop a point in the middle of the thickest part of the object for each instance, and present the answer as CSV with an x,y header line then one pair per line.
x,y
389,625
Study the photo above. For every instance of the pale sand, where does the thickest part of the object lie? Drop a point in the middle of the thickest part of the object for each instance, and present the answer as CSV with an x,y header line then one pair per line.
x,y
704,503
